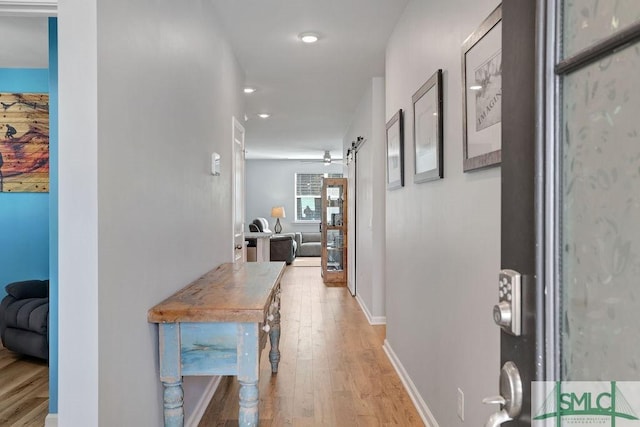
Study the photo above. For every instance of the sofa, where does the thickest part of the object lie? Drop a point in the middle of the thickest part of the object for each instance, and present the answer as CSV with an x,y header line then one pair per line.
x,y
24,318
282,247
309,244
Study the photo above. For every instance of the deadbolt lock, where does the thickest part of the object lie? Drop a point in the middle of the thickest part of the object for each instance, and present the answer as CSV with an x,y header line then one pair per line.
x,y
508,312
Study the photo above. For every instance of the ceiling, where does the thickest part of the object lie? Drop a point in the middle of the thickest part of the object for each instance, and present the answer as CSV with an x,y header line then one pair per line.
x,y
311,91
25,42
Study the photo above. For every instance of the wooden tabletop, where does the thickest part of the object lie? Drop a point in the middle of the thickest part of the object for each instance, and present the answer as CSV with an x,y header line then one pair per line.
x,y
236,292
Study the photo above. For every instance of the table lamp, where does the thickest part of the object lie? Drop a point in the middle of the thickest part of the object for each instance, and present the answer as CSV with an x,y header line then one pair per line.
x,y
278,212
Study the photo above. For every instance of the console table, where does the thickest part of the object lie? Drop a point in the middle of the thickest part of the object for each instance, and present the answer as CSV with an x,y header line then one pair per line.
x,y
217,325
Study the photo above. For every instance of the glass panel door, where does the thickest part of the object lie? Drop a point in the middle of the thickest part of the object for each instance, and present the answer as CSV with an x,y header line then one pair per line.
x,y
600,198
589,21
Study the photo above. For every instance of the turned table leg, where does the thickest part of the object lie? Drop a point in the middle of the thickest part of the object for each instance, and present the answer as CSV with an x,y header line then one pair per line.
x,y
248,415
248,373
274,334
173,404
170,374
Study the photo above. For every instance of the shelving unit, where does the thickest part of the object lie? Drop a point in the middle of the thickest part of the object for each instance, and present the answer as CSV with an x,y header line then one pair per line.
x,y
334,230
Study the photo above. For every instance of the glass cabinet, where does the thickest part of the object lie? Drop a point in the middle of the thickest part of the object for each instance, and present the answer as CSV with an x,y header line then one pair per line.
x,y
334,230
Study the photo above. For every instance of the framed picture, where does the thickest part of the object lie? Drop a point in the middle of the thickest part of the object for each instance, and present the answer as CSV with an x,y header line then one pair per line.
x,y
24,143
427,130
482,94
395,152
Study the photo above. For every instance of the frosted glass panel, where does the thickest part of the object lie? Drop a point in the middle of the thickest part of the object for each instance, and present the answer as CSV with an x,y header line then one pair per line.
x,y
588,21
601,220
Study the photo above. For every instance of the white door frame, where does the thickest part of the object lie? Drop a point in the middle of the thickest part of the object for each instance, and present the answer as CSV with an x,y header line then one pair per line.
x,y
237,129
40,8
353,219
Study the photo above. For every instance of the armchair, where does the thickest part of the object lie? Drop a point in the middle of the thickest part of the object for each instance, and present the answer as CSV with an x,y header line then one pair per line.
x,y
24,318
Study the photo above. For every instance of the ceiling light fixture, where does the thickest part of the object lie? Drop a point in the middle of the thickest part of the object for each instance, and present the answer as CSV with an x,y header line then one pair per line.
x,y
264,115
327,158
475,87
309,37
249,90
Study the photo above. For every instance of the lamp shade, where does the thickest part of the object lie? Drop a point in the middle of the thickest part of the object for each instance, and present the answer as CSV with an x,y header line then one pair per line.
x,y
278,212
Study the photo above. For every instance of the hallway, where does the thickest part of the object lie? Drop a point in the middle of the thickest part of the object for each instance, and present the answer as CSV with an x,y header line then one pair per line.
x,y
333,370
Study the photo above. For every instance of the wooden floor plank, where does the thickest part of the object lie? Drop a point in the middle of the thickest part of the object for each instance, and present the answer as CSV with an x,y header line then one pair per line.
x,y
31,412
333,370
24,390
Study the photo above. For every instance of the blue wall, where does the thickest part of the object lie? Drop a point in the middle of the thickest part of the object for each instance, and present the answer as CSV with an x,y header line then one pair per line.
x,y
29,221
24,217
53,215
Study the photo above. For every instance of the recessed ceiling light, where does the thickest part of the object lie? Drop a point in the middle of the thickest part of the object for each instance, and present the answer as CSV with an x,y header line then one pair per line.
x,y
475,87
309,37
264,115
249,90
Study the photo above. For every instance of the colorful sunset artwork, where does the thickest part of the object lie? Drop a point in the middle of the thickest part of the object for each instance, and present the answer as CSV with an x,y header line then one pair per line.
x,y
24,142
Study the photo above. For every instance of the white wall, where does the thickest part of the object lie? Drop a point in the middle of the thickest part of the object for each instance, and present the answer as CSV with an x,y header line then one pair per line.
x,y
272,183
146,97
368,122
443,237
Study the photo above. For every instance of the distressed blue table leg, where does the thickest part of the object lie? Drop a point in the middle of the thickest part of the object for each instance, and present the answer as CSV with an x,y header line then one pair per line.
x,y
248,415
274,334
173,404
248,373
170,374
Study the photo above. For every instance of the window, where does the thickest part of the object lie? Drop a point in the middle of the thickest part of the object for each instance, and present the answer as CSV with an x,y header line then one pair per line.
x,y
308,201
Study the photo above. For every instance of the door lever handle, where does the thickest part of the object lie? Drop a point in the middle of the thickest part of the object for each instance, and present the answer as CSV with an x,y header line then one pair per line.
x,y
498,418
510,398
494,400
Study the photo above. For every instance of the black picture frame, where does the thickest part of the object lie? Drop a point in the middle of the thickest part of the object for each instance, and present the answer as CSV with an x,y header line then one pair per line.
x,y
482,94
395,151
428,141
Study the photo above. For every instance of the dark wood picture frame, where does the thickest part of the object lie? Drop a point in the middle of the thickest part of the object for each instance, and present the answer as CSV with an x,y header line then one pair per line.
x,y
428,139
481,96
395,151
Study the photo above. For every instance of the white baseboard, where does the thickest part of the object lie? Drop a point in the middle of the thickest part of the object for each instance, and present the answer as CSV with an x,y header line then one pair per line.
x,y
425,413
373,320
194,419
201,407
51,420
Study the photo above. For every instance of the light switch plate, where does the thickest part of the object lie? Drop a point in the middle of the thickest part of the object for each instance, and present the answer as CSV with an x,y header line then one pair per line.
x,y
460,404
215,164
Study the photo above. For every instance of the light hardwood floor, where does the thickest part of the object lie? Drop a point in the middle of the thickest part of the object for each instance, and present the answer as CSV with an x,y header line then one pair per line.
x,y
333,371
24,390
